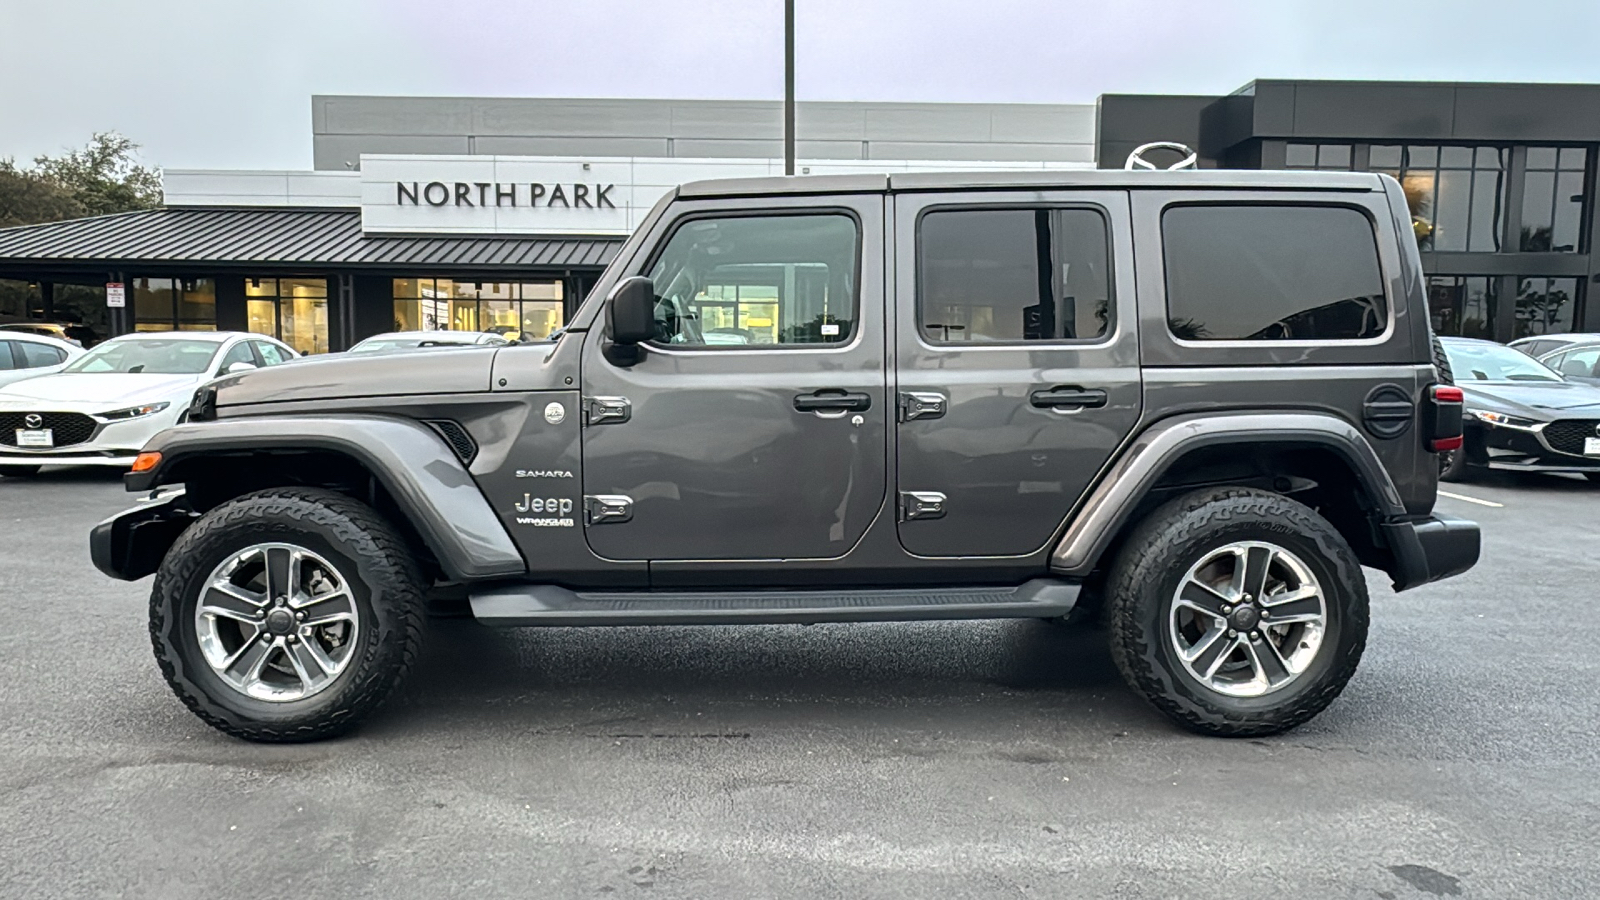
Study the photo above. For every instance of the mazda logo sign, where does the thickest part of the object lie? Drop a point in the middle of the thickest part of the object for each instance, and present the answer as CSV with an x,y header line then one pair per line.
x,y
33,420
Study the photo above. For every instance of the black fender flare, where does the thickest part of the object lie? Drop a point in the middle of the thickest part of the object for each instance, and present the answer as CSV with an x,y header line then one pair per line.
x,y
1149,456
418,469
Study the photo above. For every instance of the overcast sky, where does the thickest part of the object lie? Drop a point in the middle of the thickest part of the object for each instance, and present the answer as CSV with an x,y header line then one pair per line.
x,y
228,83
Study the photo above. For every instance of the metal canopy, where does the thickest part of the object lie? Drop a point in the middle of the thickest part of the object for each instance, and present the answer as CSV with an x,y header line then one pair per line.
x,y
278,237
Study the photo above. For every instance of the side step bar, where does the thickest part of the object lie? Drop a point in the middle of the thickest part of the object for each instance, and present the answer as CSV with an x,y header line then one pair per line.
x,y
543,604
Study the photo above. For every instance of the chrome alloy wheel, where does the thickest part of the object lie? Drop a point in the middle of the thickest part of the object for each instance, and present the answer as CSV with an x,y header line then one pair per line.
x,y
1248,619
277,622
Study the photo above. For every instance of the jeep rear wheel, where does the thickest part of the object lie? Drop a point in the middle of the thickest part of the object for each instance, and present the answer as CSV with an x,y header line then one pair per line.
x,y
286,615
1237,612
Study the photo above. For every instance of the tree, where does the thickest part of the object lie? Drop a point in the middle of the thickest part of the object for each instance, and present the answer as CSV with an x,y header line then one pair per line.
x,y
103,177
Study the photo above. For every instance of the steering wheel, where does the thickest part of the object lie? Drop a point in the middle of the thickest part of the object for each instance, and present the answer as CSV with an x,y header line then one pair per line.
x,y
1136,160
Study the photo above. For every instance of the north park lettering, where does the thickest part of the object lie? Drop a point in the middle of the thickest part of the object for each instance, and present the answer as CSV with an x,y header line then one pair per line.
x,y
503,194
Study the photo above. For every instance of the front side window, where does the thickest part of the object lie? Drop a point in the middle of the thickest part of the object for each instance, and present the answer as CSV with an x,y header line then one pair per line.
x,y
1272,273
240,353
753,281
1002,275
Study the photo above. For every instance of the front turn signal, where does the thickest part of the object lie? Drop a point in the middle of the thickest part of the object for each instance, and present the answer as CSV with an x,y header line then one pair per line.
x,y
144,462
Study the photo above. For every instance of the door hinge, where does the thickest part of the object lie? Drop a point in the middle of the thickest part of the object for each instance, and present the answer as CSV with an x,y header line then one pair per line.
x,y
921,405
921,505
600,509
603,410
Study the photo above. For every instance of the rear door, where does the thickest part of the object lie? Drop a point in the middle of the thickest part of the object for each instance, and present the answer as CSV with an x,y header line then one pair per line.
x,y
1017,362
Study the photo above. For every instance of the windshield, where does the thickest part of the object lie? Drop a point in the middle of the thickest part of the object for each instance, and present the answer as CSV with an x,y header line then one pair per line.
x,y
1492,362
147,356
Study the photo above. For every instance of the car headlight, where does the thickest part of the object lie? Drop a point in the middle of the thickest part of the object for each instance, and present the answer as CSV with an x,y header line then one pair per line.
x,y
134,412
1504,421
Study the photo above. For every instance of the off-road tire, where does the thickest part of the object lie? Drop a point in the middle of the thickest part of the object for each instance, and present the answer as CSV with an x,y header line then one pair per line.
x,y
18,471
386,582
1155,558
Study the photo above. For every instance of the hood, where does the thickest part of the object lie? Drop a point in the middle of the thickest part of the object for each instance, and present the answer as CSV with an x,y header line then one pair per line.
x,y
1535,399
453,370
99,391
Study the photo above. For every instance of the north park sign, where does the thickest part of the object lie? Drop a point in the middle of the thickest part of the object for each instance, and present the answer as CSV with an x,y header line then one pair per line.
x,y
486,193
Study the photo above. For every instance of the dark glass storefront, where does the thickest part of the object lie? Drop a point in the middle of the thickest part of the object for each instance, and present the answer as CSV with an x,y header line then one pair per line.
x,y
1500,179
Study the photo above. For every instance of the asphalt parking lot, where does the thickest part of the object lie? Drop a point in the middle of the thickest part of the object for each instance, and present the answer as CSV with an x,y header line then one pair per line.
x,y
966,759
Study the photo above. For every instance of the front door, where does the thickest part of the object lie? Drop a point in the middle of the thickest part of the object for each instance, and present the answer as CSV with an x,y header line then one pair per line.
x,y
1018,363
756,425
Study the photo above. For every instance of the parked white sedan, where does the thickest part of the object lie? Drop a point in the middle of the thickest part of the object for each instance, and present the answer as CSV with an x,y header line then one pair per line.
x,y
31,355
104,405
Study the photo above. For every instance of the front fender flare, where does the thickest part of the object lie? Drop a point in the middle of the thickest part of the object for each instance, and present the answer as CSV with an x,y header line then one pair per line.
x,y
1154,451
411,461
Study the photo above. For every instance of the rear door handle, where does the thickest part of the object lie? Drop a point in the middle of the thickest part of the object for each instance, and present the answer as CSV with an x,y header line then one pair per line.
x,y
833,400
1071,397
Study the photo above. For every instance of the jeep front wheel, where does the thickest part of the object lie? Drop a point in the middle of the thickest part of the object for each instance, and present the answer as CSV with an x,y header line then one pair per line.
x,y
286,615
1237,612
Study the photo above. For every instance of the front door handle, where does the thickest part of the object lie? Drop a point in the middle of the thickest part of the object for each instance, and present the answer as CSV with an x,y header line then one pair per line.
x,y
833,400
1069,397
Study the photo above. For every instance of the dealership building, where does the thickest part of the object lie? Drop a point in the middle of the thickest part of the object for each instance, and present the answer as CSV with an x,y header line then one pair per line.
x,y
499,214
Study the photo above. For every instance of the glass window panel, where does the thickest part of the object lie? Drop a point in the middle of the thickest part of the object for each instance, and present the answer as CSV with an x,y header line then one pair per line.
x,y
1455,157
1490,158
1451,209
305,323
197,305
1538,222
1488,208
1384,156
459,290
408,315
303,287
541,290
1462,305
463,315
1568,212
540,317
750,279
1541,157
1013,275
407,288
1545,305
502,317
152,304
261,316
36,355
497,291
1272,273
1300,156
261,287
1422,157
1572,158
1418,187
1333,156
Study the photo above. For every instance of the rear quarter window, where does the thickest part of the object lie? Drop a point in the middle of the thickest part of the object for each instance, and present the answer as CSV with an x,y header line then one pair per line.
x,y
1272,273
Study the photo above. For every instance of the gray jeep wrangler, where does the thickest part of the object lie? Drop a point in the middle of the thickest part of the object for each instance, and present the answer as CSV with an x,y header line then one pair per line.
x,y
1191,405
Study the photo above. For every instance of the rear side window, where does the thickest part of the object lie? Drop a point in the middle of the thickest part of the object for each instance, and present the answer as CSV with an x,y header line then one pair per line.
x,y
1004,275
37,355
1272,273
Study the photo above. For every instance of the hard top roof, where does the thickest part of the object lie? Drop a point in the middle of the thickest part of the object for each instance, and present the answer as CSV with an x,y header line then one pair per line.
x,y
1190,179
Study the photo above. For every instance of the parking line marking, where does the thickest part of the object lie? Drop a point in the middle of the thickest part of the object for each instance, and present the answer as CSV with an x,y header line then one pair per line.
x,y
1472,500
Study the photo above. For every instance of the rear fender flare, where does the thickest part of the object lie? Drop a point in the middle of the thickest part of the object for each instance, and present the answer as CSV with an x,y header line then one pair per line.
x,y
1154,451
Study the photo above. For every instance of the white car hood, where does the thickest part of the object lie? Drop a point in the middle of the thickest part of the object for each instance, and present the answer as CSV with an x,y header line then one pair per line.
x,y
97,392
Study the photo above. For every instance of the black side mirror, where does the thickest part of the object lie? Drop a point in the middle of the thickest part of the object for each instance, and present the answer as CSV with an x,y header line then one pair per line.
x,y
631,311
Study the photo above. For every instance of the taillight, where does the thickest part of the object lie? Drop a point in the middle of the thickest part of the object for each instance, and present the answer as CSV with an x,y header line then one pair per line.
x,y
1441,417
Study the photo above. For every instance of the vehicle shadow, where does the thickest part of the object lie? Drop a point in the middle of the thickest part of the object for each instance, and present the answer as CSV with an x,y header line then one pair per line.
x,y
70,475
545,677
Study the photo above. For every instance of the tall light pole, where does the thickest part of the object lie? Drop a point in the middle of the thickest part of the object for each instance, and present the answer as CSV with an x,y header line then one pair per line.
x,y
788,87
